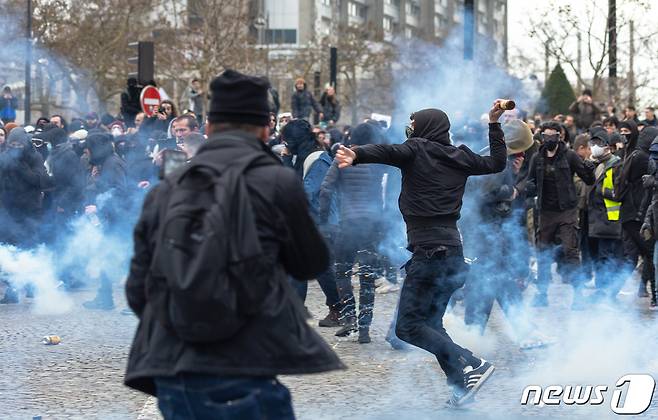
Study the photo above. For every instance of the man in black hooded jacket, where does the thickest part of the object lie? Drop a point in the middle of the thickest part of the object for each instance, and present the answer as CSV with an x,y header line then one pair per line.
x,y
23,179
434,175
106,193
632,197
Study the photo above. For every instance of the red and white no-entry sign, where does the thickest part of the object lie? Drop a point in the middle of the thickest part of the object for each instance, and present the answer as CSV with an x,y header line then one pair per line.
x,y
150,100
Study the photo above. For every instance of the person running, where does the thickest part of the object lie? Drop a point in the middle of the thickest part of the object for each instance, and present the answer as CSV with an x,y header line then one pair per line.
x,y
434,175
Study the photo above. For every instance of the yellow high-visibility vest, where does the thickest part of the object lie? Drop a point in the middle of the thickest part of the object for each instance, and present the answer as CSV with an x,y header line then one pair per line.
x,y
612,207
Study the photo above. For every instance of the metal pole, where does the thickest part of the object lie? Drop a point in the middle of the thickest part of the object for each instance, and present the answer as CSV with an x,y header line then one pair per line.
x,y
631,73
28,62
469,28
612,55
267,46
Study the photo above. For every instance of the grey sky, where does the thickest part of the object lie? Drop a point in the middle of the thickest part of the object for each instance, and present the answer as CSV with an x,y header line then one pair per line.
x,y
643,12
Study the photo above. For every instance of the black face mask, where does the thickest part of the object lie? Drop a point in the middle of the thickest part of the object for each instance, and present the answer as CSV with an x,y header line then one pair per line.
x,y
551,141
15,152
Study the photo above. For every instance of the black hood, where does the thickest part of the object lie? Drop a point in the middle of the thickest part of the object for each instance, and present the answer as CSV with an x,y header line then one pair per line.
x,y
433,125
298,134
19,135
647,136
100,147
632,138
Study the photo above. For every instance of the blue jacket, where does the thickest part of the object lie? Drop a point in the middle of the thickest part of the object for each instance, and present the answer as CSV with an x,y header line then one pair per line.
x,y
312,186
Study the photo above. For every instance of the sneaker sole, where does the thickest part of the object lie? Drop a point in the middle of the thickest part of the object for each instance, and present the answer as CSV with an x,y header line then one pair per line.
x,y
471,393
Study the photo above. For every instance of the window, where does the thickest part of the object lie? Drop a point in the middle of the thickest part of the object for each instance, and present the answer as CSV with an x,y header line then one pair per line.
x,y
352,9
281,36
388,24
326,2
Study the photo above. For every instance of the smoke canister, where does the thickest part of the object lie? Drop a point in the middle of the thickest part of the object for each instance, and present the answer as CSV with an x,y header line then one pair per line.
x,y
507,104
51,340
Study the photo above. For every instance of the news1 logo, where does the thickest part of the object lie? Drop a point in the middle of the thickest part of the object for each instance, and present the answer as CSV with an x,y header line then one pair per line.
x,y
639,392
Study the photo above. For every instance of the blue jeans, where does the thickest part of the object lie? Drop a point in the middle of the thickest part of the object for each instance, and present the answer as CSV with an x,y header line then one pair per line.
x,y
192,396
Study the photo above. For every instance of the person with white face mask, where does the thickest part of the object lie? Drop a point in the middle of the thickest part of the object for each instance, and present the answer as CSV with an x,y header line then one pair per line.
x,y
604,226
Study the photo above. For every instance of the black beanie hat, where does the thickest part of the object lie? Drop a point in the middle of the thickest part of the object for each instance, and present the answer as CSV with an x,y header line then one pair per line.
x,y
239,98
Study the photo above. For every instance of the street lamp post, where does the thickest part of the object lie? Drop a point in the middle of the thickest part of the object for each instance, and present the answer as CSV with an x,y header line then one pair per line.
x,y
28,62
262,23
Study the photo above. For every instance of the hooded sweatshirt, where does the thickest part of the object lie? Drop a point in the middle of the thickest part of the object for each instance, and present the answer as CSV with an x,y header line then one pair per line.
x,y
23,177
631,192
300,141
434,175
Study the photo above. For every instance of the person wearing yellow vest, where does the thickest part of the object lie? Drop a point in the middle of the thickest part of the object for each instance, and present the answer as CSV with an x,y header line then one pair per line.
x,y
604,226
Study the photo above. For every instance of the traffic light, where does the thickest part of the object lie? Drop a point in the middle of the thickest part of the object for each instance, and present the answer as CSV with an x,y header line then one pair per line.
x,y
144,62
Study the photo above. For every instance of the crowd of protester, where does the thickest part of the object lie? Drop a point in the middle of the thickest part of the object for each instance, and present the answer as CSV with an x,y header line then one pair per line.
x,y
580,187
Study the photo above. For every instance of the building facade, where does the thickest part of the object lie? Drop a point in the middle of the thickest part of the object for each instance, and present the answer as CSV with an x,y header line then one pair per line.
x,y
296,22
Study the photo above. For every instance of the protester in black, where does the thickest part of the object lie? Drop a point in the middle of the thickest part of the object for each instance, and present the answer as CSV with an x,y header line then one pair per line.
x,y
106,201
434,175
499,276
204,381
632,193
23,179
550,179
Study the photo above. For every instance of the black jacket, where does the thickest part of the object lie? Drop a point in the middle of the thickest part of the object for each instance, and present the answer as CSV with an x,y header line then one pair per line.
x,y
280,342
69,177
359,191
585,114
632,192
331,110
597,213
108,189
495,194
434,175
23,178
303,103
567,163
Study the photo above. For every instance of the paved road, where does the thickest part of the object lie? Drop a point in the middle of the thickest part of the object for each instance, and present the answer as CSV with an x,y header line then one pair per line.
x,y
81,377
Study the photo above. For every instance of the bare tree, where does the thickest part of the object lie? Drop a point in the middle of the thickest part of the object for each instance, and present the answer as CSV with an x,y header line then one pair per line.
x,y
560,26
207,37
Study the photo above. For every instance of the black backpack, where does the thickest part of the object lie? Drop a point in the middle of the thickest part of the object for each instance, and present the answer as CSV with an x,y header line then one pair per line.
x,y
208,273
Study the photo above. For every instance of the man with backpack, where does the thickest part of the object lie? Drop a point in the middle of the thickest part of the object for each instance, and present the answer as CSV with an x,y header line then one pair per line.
x,y
214,246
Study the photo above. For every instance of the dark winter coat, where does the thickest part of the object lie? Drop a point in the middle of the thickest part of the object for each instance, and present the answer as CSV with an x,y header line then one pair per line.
x,y
331,110
631,192
108,190
599,225
303,103
567,163
434,174
23,177
584,114
69,178
358,190
495,194
280,342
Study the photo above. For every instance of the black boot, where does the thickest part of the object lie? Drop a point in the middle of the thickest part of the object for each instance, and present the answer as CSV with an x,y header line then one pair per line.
x,y
349,328
103,300
332,318
364,335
